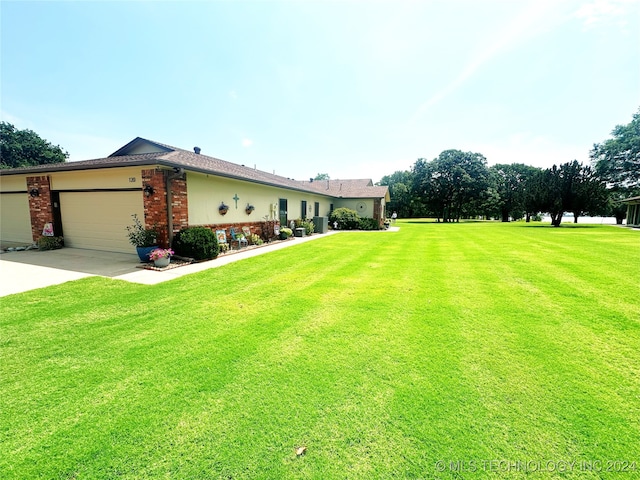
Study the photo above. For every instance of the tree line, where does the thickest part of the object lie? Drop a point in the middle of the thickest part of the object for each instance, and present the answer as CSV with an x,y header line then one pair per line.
x,y
460,184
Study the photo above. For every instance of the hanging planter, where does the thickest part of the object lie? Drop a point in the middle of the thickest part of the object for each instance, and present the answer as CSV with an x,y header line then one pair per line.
x,y
249,209
223,209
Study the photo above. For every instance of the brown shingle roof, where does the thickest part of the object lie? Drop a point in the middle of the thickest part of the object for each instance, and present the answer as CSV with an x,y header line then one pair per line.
x,y
179,158
348,188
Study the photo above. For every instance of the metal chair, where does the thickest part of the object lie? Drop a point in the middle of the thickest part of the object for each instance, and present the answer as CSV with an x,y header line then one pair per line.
x,y
238,237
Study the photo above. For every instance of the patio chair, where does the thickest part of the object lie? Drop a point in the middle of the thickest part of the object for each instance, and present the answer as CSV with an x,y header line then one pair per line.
x,y
238,237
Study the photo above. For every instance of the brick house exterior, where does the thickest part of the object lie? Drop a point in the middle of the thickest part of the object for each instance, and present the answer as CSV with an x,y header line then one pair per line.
x,y
90,202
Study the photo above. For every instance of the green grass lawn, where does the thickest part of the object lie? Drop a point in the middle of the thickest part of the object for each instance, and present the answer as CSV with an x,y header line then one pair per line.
x,y
388,355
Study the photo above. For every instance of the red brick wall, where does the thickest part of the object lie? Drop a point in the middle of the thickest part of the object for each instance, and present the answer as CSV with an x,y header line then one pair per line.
x,y
40,207
179,204
155,205
255,227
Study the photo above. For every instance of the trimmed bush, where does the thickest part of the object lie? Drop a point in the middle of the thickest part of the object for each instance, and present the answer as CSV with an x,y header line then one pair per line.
x,y
347,219
369,224
198,243
50,243
308,225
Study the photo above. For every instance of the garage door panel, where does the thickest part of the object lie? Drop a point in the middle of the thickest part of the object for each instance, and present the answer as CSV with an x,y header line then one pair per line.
x,y
15,219
98,220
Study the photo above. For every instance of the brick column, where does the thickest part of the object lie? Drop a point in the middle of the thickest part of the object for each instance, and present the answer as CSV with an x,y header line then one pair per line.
x,y
155,205
179,204
40,206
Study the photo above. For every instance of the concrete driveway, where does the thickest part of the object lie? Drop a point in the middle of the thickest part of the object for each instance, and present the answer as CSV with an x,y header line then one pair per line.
x,y
28,270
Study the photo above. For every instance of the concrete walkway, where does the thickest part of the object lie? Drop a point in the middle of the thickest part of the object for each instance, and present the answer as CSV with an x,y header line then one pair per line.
x,y
28,270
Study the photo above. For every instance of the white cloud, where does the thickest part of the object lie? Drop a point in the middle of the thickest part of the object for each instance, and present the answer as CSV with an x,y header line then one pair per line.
x,y
599,11
247,142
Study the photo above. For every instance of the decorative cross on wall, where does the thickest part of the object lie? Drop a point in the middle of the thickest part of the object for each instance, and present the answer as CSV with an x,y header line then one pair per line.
x,y
236,198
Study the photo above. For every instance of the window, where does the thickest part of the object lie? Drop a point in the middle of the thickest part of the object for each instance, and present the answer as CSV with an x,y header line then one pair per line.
x,y
303,209
316,209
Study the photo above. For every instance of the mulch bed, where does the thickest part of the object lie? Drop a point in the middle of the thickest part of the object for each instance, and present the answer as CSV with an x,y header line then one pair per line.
x,y
177,261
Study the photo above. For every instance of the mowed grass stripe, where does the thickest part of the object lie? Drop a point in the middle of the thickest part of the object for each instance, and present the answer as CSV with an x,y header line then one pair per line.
x,y
382,352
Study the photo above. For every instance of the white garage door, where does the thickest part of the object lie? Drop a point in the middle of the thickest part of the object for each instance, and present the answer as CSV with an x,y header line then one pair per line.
x,y
15,220
98,220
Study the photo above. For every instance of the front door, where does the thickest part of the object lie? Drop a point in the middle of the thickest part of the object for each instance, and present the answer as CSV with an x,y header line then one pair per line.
x,y
283,212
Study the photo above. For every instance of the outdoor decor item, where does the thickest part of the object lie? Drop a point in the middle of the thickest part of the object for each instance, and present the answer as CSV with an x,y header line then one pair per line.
x,y
223,209
161,257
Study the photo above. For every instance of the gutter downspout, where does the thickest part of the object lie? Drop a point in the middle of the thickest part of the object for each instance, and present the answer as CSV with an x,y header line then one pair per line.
x,y
177,173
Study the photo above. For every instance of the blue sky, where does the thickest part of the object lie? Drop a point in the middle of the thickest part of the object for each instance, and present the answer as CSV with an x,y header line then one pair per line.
x,y
355,89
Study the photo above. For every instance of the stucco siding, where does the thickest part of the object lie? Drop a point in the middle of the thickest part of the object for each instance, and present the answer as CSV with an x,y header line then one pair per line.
x,y
108,178
206,193
357,204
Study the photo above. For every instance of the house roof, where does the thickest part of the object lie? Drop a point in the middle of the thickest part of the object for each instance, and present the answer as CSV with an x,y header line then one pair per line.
x,y
148,152
349,188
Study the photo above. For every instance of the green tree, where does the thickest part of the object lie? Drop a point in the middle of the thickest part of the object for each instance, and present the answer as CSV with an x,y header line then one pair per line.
x,y
24,148
400,186
322,176
617,160
453,185
511,184
571,187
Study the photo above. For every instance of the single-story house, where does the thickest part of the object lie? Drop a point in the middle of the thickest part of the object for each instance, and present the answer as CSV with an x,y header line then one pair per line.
x,y
90,203
633,211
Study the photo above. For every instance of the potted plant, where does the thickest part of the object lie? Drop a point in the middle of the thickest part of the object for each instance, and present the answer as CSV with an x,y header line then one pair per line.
x,y
161,257
249,209
144,239
223,209
285,233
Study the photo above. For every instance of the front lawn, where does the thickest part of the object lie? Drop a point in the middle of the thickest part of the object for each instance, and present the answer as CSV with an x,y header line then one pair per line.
x,y
445,351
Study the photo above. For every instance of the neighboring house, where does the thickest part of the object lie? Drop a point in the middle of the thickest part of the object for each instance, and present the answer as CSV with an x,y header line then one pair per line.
x,y
91,202
633,211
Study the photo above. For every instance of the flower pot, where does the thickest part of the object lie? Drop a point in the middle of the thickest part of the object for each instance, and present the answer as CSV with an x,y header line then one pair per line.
x,y
143,252
162,262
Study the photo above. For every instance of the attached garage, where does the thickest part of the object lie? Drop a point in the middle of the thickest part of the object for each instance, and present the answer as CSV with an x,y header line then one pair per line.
x,y
98,220
15,220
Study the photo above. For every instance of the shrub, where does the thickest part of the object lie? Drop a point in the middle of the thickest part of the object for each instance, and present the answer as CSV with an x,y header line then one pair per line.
x,y
285,232
369,224
255,239
140,236
50,243
347,219
198,243
308,225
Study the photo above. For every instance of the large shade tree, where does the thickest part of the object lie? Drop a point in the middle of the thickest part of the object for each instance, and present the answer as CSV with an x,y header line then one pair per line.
x,y
452,185
511,185
402,202
570,187
24,148
617,161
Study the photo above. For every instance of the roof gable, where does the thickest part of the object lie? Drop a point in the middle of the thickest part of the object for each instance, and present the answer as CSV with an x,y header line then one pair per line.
x,y
141,145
